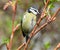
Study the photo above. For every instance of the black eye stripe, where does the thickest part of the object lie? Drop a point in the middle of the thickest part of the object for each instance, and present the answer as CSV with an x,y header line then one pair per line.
x,y
35,10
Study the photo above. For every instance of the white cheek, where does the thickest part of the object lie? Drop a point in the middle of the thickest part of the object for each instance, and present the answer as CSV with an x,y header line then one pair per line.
x,y
35,13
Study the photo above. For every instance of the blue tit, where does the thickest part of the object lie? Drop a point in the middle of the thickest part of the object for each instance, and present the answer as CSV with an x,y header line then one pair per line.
x,y
28,21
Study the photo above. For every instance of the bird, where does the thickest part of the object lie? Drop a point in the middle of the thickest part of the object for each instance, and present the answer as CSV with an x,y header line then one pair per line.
x,y
28,21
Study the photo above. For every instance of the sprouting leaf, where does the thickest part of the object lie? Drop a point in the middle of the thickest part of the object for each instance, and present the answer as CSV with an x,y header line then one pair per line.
x,y
47,45
50,6
5,40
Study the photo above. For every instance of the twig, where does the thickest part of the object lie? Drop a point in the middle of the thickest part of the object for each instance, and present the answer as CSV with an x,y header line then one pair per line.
x,y
49,21
14,7
21,46
56,13
9,3
46,4
42,16
16,28
57,47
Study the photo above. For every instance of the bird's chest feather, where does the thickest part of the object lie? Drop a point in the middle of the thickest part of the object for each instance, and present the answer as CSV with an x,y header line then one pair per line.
x,y
29,20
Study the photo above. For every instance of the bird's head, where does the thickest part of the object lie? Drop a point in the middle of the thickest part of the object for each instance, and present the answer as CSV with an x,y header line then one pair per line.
x,y
33,10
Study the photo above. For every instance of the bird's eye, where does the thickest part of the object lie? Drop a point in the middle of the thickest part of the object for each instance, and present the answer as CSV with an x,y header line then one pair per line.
x,y
29,11
35,10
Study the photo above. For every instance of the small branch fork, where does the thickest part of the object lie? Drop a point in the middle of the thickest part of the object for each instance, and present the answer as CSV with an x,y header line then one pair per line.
x,y
35,29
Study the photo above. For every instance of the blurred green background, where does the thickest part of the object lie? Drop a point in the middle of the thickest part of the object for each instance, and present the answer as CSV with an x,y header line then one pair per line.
x,y
46,39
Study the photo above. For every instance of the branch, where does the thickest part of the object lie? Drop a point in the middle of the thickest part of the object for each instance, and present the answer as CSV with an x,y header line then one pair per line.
x,y
14,7
7,5
16,28
19,48
57,47
41,17
49,21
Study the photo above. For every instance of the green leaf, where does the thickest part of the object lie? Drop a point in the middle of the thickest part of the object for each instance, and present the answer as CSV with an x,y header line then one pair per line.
x,y
50,6
5,40
47,45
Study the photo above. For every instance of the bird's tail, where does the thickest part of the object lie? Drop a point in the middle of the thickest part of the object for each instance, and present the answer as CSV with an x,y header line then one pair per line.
x,y
27,37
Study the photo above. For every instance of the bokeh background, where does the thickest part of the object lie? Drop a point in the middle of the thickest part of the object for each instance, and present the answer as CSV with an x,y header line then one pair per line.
x,y
46,39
